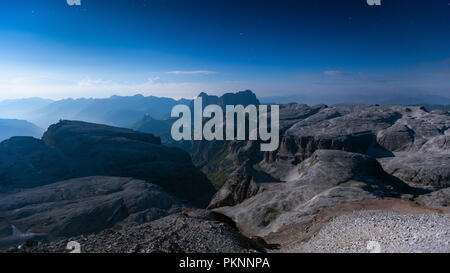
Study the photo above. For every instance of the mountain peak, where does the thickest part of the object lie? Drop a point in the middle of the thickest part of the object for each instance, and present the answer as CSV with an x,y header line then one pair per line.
x,y
245,98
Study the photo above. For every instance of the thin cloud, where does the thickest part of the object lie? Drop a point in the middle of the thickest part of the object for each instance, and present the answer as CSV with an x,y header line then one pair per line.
x,y
192,72
60,88
336,73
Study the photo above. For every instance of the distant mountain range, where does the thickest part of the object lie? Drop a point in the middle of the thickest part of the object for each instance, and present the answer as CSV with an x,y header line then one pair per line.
x,y
151,114
16,127
358,99
21,108
245,98
162,127
116,110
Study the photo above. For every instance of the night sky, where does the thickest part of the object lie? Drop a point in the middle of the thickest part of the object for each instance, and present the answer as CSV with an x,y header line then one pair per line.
x,y
317,49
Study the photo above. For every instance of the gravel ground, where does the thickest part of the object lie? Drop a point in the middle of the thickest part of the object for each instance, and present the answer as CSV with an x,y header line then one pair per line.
x,y
382,231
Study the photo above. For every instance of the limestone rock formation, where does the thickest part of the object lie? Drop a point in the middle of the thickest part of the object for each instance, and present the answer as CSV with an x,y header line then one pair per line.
x,y
81,206
421,169
326,178
239,186
402,138
72,149
187,232
438,199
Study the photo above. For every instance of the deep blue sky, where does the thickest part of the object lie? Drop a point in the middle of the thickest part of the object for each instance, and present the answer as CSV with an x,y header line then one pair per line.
x,y
177,48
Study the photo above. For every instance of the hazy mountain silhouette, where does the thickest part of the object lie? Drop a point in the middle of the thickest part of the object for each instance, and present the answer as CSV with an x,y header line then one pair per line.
x,y
358,99
162,128
16,127
21,108
242,97
115,110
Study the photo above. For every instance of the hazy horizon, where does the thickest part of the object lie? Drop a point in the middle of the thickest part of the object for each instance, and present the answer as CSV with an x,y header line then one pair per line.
x,y
405,100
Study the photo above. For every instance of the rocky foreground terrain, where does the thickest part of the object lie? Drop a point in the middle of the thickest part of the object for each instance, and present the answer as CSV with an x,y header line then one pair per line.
x,y
82,178
194,231
342,177
81,206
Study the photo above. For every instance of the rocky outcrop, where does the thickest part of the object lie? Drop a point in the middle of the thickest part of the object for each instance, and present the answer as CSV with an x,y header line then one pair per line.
x,y
396,137
425,170
438,199
238,187
81,206
82,133
197,231
410,142
327,178
439,144
341,128
72,149
26,162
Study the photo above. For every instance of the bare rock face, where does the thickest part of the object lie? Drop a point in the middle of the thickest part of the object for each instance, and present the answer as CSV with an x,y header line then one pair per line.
x,y
439,144
396,137
410,143
219,159
78,132
188,232
415,127
331,156
326,178
438,199
341,128
73,149
27,162
239,186
425,170
420,143
394,128
294,112
81,206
